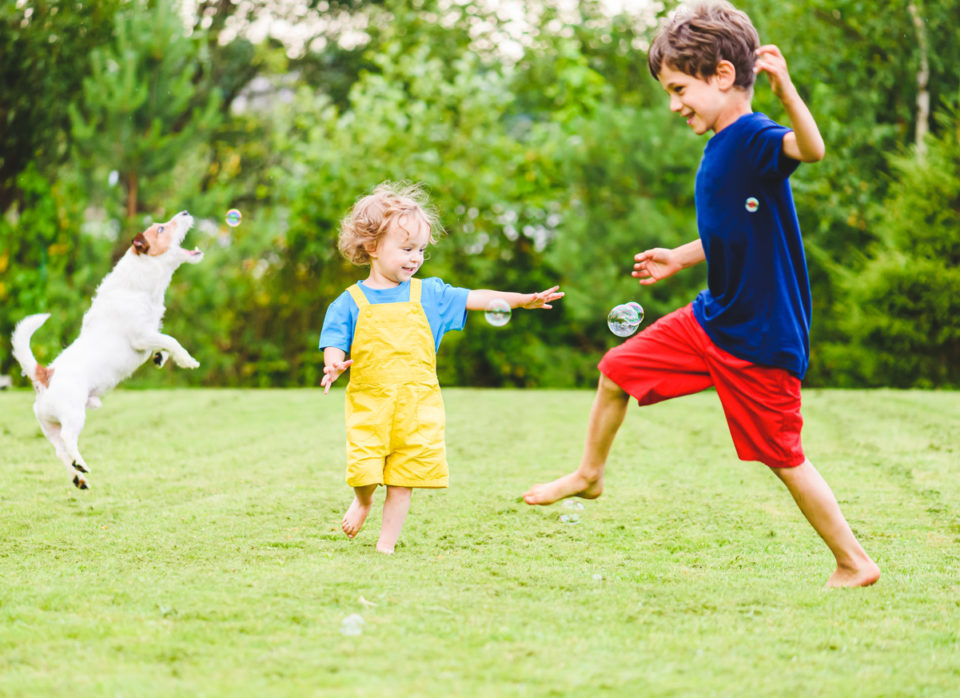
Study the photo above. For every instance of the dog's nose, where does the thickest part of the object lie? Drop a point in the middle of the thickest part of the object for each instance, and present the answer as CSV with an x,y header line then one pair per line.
x,y
184,213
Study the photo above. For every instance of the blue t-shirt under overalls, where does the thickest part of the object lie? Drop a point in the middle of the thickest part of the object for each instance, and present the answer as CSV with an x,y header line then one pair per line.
x,y
445,306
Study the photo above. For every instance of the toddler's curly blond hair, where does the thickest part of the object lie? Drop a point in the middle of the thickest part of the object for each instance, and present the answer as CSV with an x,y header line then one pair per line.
x,y
371,218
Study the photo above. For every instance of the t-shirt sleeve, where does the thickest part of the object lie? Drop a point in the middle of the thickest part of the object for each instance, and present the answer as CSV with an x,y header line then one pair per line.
x,y
449,304
339,323
764,148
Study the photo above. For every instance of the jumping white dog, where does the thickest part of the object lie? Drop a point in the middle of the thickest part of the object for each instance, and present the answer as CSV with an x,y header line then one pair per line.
x,y
120,331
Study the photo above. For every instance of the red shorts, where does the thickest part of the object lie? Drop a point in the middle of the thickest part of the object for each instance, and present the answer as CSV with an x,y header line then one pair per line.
x,y
675,357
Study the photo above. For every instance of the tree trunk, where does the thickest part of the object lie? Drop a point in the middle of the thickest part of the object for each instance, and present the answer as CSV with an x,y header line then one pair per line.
x,y
923,78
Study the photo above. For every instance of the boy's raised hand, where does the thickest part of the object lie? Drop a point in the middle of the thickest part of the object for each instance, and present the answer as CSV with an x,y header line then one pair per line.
x,y
331,372
771,61
543,299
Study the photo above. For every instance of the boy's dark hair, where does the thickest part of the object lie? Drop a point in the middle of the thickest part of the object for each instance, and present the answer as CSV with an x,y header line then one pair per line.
x,y
696,40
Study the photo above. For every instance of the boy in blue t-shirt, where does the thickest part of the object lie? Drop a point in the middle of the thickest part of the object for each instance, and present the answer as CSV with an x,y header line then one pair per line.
x,y
391,325
747,333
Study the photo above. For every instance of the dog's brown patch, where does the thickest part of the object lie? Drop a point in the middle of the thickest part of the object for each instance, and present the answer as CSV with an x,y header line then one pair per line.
x,y
43,375
140,244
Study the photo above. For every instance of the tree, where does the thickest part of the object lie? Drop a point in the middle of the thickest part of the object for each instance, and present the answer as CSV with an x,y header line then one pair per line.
x,y
140,115
44,53
901,311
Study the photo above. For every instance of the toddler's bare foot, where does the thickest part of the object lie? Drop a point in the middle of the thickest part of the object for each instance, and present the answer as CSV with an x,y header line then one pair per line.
x,y
354,518
862,576
572,485
387,550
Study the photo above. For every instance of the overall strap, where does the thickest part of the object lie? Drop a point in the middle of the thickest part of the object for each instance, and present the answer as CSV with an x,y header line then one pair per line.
x,y
415,290
358,297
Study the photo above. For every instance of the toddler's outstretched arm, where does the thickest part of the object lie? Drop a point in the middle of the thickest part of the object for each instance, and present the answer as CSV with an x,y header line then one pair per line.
x,y
479,299
333,366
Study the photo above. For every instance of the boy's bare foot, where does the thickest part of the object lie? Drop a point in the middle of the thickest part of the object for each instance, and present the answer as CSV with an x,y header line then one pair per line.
x,y
354,518
385,550
862,576
572,485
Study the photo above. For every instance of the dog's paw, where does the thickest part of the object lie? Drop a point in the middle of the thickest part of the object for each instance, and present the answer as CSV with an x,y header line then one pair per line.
x,y
80,467
80,482
94,403
187,362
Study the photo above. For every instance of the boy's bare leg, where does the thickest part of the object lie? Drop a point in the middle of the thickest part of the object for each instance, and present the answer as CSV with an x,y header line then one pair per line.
x,y
359,508
395,508
606,416
815,499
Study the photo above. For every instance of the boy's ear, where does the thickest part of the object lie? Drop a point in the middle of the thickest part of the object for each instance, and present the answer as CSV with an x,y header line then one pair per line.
x,y
726,74
371,249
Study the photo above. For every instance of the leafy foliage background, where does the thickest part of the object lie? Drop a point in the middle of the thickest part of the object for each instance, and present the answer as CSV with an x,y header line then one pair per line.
x,y
549,152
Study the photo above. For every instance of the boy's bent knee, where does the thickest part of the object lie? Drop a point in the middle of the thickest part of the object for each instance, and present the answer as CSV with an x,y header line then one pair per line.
x,y
608,388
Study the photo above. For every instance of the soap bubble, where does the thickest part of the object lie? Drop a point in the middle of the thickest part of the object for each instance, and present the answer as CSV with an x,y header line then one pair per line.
x,y
572,504
624,320
497,312
570,518
352,625
639,308
234,217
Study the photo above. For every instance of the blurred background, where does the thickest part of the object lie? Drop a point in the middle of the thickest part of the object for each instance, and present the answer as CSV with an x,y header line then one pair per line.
x,y
536,128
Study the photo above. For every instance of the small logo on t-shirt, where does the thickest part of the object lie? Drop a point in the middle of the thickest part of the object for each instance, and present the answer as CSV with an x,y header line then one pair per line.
x,y
752,204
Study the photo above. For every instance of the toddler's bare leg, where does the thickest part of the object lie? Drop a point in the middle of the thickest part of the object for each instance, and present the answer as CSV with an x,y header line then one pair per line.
x,y
395,508
815,499
359,508
606,416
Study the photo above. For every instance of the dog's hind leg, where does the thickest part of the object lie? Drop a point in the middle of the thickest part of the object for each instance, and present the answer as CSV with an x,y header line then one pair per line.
x,y
54,435
71,424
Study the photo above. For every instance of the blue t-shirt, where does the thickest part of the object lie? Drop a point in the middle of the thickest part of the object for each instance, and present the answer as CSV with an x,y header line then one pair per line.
x,y
757,302
444,305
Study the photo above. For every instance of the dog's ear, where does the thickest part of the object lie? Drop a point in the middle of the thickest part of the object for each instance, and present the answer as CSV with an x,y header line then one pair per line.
x,y
140,244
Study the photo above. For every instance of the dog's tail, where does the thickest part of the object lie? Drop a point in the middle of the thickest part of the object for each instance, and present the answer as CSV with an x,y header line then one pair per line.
x,y
37,373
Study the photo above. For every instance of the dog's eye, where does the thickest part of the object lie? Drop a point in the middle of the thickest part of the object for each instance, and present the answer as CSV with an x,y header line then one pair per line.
x,y
160,229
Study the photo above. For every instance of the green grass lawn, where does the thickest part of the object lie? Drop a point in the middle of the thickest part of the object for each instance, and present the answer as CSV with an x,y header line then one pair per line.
x,y
206,559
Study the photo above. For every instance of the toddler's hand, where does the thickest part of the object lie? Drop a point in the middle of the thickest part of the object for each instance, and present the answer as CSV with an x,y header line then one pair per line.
x,y
543,299
331,372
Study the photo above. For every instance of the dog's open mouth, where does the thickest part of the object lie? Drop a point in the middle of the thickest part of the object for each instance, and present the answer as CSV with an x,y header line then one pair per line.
x,y
195,251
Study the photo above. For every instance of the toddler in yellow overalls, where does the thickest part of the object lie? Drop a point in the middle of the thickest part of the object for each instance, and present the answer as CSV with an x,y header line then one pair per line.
x,y
391,325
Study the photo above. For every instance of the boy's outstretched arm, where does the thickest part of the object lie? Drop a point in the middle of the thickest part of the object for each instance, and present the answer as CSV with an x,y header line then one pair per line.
x,y
333,366
479,299
651,266
804,143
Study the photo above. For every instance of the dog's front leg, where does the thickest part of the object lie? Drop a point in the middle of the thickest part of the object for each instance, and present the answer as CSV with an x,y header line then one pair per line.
x,y
165,343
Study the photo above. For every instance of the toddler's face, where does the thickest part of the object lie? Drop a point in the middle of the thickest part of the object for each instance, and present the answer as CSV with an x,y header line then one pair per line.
x,y
400,253
699,101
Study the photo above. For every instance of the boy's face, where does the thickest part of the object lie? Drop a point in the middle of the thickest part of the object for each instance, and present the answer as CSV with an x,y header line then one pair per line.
x,y
703,102
400,253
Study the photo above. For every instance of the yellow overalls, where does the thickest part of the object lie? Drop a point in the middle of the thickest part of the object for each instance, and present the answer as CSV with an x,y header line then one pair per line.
x,y
394,410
